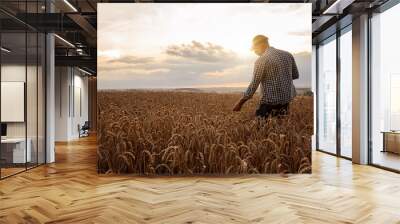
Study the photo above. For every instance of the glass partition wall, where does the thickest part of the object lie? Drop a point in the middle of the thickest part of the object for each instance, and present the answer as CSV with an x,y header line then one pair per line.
x,y
345,91
334,88
326,102
22,77
385,89
13,89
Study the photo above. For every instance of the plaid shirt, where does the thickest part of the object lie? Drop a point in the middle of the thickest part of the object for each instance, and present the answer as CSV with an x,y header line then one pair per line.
x,y
275,69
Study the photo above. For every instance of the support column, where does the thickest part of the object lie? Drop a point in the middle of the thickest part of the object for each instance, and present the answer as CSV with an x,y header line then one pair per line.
x,y
360,90
92,99
50,92
314,90
50,99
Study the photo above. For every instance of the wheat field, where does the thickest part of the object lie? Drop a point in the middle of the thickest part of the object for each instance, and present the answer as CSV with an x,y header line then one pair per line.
x,y
193,133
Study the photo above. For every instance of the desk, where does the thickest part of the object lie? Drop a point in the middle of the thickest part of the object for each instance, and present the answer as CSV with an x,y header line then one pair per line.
x,y
13,150
391,141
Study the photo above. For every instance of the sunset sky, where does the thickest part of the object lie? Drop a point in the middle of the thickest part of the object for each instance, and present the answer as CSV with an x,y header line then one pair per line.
x,y
180,45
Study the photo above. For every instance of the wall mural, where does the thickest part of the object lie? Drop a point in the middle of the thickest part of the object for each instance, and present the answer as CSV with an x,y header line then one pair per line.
x,y
189,89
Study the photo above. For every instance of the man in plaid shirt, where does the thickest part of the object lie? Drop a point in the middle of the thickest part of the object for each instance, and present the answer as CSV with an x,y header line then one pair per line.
x,y
275,70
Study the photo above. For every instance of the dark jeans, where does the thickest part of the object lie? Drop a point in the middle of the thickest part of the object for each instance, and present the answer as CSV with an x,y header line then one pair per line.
x,y
266,110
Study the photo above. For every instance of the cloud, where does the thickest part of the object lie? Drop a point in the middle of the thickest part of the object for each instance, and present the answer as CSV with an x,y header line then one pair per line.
x,y
300,33
183,61
152,71
134,70
128,63
203,52
240,69
132,74
132,60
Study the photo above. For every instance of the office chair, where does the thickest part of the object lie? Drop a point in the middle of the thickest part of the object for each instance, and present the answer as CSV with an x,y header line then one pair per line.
x,y
84,130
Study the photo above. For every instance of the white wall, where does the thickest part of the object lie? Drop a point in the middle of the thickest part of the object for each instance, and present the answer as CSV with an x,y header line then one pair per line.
x,y
79,110
62,82
70,83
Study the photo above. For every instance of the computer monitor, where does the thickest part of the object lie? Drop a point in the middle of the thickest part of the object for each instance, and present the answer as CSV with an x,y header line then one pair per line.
x,y
3,130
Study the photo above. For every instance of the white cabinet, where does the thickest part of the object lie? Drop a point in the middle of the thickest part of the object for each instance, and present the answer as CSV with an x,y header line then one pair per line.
x,y
17,146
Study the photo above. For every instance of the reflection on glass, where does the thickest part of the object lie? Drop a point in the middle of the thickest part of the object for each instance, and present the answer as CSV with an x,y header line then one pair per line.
x,y
41,98
346,94
327,96
31,100
385,84
394,102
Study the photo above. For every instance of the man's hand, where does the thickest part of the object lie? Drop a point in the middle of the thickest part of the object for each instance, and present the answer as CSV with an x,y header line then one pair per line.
x,y
239,105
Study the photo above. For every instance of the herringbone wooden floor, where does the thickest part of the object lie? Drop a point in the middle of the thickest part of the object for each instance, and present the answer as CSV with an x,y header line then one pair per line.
x,y
70,191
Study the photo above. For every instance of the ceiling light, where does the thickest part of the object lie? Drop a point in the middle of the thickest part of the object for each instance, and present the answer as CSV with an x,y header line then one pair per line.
x,y
70,5
5,50
84,71
338,6
79,51
64,40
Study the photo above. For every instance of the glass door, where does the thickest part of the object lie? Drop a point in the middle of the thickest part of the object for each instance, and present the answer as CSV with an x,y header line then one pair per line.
x,y
385,89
